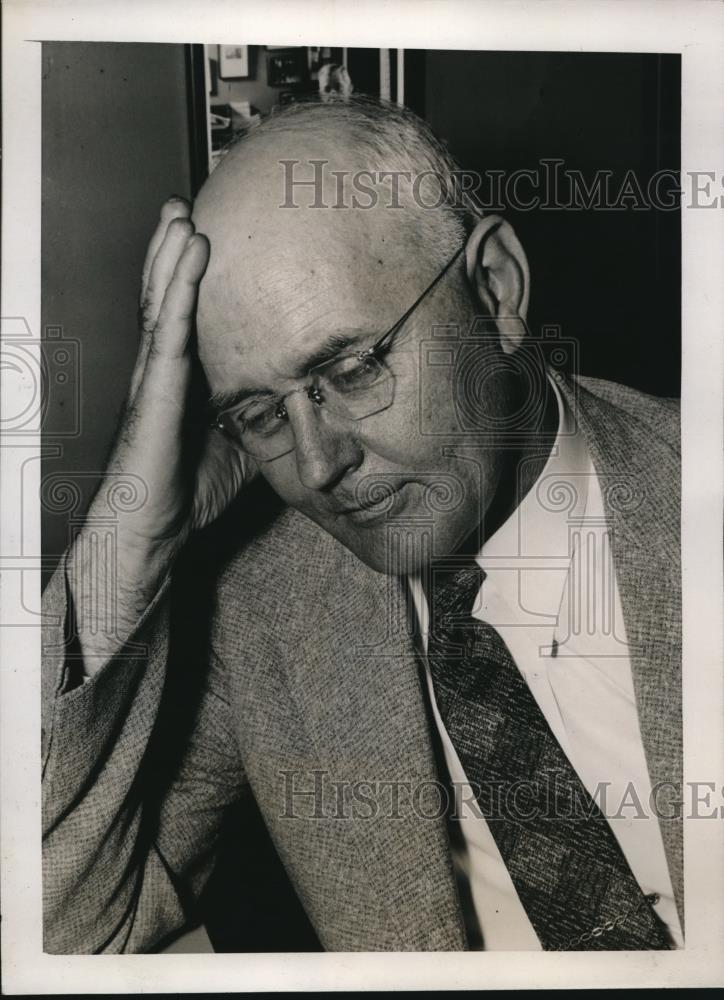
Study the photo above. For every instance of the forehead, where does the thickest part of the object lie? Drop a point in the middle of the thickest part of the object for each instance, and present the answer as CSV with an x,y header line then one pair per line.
x,y
281,280
272,310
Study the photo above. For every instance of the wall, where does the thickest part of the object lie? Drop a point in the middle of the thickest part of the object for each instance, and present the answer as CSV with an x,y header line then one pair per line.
x,y
610,279
363,65
254,90
115,145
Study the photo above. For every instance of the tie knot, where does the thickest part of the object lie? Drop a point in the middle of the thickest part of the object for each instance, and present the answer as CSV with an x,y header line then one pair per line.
x,y
453,592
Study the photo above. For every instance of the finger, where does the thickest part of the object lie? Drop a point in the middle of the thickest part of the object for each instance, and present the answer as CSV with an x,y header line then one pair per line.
x,y
177,234
173,208
162,270
177,231
175,320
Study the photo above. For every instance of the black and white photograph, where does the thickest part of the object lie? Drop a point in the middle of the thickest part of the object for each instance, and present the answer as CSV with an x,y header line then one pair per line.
x,y
362,498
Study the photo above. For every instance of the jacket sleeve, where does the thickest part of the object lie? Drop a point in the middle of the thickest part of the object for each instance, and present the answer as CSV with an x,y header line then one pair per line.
x,y
137,773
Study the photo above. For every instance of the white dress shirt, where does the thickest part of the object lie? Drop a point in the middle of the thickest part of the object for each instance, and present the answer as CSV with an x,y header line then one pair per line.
x,y
550,591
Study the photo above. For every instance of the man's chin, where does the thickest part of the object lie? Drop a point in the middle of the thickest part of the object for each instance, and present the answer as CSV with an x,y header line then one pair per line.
x,y
396,552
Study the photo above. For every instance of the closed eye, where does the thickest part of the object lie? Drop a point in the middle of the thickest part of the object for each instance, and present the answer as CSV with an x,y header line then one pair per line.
x,y
259,419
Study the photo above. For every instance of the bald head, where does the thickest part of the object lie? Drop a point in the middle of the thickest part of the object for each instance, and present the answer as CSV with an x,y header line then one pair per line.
x,y
286,254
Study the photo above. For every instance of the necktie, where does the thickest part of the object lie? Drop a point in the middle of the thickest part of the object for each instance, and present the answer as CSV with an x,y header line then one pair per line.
x,y
564,860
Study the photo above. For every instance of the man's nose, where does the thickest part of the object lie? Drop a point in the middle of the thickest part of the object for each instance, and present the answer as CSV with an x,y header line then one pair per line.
x,y
325,449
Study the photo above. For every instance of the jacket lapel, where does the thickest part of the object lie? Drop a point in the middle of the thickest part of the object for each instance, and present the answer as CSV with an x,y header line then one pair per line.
x,y
639,473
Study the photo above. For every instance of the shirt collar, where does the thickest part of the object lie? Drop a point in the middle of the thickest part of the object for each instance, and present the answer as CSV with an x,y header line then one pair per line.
x,y
536,534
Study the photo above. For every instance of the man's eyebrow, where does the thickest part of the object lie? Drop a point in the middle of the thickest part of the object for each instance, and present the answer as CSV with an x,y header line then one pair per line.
x,y
226,400
333,345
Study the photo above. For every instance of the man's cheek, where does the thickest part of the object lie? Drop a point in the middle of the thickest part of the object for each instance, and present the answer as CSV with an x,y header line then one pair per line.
x,y
282,476
395,435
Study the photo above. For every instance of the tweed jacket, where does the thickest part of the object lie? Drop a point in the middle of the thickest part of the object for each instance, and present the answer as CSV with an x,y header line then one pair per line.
x,y
310,689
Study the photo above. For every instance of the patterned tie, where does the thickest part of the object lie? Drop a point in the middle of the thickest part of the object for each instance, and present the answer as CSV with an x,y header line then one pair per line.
x,y
564,860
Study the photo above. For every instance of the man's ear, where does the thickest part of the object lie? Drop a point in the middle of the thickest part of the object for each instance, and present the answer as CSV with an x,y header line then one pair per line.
x,y
498,271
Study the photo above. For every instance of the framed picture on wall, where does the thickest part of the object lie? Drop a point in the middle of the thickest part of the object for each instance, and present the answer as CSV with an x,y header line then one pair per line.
x,y
233,62
286,69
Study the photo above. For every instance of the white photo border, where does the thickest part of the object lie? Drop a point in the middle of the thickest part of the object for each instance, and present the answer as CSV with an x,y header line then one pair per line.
x,y
695,28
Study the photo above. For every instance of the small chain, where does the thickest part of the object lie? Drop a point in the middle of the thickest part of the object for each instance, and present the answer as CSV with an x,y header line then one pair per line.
x,y
652,898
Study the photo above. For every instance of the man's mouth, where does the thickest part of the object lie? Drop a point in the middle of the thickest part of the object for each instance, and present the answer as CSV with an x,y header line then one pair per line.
x,y
378,505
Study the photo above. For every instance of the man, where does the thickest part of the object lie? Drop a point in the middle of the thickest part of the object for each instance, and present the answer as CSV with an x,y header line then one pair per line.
x,y
410,622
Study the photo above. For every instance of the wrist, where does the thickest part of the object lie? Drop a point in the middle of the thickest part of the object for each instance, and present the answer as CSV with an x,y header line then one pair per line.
x,y
114,574
111,587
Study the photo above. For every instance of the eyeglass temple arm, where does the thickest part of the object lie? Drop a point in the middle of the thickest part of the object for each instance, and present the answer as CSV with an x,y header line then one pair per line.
x,y
403,319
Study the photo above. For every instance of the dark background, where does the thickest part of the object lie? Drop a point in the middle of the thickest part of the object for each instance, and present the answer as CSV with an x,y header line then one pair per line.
x,y
610,279
122,131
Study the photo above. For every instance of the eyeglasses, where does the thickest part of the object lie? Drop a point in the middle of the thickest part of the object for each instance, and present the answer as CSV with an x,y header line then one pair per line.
x,y
353,386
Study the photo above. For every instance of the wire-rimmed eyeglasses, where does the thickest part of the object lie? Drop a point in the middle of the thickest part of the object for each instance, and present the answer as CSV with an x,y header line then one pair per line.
x,y
352,386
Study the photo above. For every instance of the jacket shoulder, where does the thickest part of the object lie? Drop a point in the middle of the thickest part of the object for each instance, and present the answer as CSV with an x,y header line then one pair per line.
x,y
660,413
